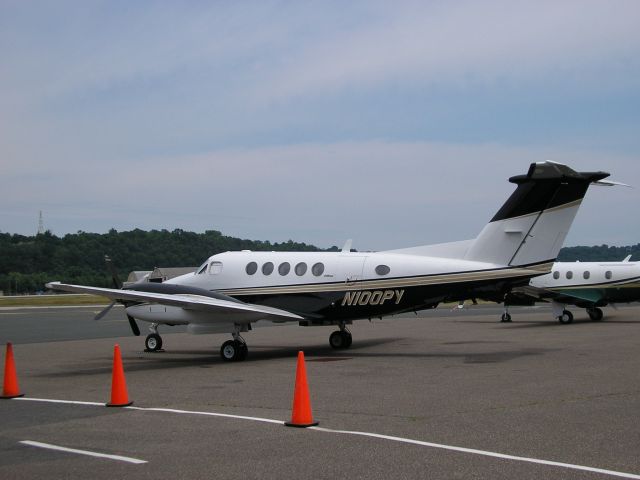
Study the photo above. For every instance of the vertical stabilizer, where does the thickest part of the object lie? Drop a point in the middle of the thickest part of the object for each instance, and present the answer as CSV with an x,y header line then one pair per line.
x,y
531,226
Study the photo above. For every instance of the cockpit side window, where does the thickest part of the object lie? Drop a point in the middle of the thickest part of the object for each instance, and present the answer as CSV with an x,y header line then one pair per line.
x,y
215,268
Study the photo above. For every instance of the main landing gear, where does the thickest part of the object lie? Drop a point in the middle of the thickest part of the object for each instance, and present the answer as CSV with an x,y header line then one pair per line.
x,y
153,342
340,339
595,314
234,350
506,316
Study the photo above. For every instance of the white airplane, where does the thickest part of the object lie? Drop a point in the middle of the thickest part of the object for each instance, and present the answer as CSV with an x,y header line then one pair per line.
x,y
588,285
232,290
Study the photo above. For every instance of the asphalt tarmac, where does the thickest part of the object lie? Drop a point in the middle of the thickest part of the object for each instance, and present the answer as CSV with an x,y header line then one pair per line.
x,y
442,395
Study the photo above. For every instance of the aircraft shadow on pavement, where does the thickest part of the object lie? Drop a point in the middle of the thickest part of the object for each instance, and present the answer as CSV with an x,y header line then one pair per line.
x,y
141,361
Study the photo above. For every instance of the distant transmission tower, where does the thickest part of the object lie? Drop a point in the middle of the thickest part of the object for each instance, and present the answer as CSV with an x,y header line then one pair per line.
x,y
40,224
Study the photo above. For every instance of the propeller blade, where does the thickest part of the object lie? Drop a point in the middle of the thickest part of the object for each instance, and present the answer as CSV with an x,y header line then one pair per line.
x,y
104,311
114,275
134,326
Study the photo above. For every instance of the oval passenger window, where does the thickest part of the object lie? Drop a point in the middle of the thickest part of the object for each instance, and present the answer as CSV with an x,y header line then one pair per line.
x,y
252,267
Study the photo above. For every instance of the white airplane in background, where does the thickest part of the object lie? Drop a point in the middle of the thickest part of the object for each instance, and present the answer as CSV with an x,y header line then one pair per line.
x,y
589,285
232,290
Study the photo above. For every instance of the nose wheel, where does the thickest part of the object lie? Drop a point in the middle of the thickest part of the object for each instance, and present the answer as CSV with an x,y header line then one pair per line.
x,y
566,317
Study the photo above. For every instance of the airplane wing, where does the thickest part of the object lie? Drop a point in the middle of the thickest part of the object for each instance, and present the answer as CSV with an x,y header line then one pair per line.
x,y
242,312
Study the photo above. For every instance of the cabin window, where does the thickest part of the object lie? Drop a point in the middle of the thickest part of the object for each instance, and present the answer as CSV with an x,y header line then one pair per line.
x,y
267,268
317,269
383,269
569,275
556,274
252,267
215,268
608,275
284,268
301,269
586,275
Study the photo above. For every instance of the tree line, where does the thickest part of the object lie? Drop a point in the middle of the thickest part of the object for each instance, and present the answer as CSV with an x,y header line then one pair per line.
x,y
28,262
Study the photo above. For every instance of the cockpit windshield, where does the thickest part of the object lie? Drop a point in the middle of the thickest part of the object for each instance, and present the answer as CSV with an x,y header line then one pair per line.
x,y
203,268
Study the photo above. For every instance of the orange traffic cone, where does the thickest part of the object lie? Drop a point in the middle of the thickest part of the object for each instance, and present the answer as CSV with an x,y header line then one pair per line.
x,y
301,414
10,387
119,396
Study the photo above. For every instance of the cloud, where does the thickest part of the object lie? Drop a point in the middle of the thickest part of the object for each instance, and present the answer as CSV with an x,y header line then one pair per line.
x,y
465,43
396,124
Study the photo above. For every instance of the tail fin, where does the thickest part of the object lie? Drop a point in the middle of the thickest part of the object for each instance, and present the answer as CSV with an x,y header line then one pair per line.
x,y
531,226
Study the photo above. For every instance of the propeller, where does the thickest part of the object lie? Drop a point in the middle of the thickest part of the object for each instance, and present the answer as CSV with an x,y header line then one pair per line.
x,y
104,311
115,280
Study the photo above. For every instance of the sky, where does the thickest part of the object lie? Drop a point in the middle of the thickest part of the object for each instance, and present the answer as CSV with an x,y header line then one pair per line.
x,y
395,124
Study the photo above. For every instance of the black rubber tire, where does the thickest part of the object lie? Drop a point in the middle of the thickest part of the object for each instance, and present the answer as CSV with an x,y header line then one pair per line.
x,y
244,352
566,317
337,340
229,351
506,318
153,342
595,314
234,351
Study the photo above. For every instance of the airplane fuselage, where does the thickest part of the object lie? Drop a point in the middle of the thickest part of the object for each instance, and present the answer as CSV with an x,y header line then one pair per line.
x,y
343,286
593,283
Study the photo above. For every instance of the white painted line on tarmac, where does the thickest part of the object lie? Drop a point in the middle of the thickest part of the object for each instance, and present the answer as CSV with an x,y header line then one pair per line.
x,y
51,400
89,453
210,414
410,441
480,452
